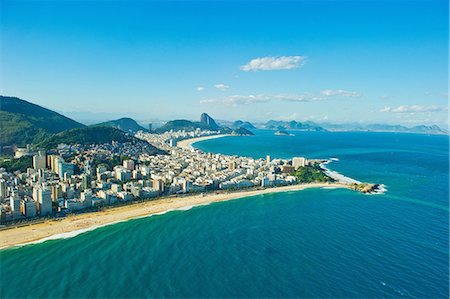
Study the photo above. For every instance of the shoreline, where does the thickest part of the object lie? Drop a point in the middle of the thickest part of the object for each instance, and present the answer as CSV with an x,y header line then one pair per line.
x,y
188,143
74,225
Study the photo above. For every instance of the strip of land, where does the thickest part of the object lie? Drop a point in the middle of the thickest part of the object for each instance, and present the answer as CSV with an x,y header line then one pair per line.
x,y
88,221
187,143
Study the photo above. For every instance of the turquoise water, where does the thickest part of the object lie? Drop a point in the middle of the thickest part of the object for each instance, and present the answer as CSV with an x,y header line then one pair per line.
x,y
311,243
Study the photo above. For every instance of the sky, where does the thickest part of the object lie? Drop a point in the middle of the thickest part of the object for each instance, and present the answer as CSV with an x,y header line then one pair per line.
x,y
332,61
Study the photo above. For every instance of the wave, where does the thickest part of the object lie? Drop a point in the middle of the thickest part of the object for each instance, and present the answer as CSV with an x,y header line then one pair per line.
x,y
381,189
336,175
72,234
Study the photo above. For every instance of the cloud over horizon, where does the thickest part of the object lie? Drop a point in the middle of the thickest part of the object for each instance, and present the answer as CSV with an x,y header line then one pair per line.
x,y
414,109
340,92
236,100
222,86
270,63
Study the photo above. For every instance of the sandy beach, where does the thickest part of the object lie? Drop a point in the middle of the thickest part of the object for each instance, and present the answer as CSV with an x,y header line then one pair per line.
x,y
74,224
187,143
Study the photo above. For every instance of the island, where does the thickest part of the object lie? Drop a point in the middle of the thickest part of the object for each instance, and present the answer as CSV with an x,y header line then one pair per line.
x,y
283,133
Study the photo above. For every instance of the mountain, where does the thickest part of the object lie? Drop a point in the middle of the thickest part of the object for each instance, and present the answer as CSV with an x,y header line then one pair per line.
x,y
421,129
433,129
242,132
22,122
208,121
177,125
94,135
125,124
242,124
292,125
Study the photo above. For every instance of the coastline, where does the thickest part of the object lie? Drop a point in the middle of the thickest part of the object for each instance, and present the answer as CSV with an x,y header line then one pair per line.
x,y
188,143
80,223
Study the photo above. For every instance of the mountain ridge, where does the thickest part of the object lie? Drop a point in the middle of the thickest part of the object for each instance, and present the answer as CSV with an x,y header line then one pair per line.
x,y
125,124
22,122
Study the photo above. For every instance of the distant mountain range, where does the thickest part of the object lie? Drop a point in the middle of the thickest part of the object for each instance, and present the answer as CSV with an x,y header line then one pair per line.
x,y
242,124
292,125
125,124
22,122
206,123
422,129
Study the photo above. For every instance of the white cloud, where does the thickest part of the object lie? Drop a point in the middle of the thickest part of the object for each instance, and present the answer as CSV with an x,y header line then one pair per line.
x,y
236,100
340,92
200,88
221,86
414,109
270,63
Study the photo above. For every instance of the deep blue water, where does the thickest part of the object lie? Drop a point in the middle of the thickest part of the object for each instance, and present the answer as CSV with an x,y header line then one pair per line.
x,y
311,243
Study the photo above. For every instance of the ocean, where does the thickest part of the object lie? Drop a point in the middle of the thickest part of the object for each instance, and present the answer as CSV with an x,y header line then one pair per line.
x,y
315,243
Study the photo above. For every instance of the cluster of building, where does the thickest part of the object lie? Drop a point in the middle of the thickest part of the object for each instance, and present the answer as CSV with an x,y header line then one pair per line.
x,y
70,178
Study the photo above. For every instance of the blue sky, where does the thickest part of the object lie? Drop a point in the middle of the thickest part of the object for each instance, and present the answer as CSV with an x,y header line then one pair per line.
x,y
336,61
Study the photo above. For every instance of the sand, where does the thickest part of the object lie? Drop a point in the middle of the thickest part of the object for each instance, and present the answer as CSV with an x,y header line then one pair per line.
x,y
187,143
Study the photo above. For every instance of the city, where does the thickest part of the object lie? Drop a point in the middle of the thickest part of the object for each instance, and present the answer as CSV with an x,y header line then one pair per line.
x,y
74,177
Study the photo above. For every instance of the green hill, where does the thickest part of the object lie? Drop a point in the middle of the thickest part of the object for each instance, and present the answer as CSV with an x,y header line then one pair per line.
x,y
22,122
94,135
206,123
242,132
179,124
125,124
242,124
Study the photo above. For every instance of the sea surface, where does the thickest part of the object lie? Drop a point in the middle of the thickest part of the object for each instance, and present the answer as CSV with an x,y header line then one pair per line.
x,y
315,243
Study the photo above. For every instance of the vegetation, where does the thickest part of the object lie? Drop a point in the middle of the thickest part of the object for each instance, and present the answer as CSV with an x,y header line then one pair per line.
x,y
109,163
179,124
87,135
206,123
311,174
242,132
242,124
12,165
125,124
22,122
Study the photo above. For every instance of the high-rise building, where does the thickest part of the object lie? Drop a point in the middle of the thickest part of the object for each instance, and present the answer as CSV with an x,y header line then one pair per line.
x,y
14,203
39,160
29,208
44,200
52,162
101,169
150,127
158,185
232,165
268,159
128,164
3,189
65,169
56,192
86,181
298,162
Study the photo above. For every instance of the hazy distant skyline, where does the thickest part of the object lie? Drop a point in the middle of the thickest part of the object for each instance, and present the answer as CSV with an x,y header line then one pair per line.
x,y
324,61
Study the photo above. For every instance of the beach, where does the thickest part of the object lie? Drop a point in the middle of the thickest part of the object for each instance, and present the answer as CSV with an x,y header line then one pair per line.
x,y
187,143
75,224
